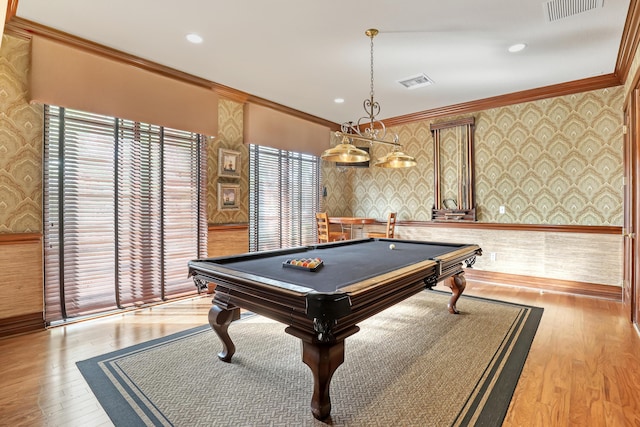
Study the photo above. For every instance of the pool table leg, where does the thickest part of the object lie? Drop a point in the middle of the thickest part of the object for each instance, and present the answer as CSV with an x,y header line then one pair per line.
x,y
457,283
219,319
323,359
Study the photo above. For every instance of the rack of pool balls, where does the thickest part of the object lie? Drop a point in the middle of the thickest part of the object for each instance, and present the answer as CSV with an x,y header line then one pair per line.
x,y
309,264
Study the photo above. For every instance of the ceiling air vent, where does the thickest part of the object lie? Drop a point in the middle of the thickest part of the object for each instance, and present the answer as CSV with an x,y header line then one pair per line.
x,y
555,10
414,82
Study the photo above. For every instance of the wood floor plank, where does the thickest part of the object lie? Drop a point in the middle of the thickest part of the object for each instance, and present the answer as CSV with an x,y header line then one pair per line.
x,y
583,367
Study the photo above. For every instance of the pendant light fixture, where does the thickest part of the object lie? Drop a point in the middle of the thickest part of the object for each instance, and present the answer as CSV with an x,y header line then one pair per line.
x,y
368,129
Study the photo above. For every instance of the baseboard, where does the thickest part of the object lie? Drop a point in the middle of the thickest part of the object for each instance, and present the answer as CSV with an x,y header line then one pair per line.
x,y
21,324
552,285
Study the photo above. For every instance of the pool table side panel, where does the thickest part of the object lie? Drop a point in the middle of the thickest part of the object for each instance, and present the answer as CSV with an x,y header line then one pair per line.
x,y
450,264
460,254
236,289
287,309
370,304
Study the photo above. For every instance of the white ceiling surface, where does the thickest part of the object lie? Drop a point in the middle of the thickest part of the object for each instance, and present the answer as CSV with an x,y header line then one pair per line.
x,y
303,54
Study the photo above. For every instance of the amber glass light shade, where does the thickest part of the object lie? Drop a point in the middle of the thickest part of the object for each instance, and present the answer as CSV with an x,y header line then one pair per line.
x,y
395,159
345,152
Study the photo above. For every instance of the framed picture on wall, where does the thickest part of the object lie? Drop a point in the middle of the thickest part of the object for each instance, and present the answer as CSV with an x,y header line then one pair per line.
x,y
228,197
228,163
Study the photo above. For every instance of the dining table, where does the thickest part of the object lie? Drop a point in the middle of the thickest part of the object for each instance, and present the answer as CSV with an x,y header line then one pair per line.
x,y
351,224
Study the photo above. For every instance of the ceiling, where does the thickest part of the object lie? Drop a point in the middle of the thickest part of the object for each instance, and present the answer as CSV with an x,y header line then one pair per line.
x,y
304,54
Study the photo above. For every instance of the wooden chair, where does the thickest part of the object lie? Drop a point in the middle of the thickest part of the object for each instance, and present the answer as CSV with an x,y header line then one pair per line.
x,y
391,226
324,233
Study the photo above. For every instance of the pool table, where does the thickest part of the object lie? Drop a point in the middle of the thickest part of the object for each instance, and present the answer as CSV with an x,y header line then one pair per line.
x,y
357,279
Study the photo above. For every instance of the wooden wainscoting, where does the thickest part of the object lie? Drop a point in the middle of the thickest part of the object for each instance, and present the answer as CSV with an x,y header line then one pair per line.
x,y
21,284
579,260
228,239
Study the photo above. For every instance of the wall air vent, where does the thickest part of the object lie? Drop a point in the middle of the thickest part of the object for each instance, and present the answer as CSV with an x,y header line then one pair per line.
x,y
555,10
417,81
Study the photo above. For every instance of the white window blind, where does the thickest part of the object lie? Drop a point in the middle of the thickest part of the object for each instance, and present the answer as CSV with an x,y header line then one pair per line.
x,y
124,212
284,196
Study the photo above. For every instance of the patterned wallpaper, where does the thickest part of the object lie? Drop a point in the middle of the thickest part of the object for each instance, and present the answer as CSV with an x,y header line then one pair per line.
x,y
20,143
230,129
553,161
338,187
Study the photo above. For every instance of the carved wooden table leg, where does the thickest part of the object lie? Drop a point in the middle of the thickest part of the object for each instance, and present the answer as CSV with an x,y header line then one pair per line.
x,y
323,359
219,319
457,284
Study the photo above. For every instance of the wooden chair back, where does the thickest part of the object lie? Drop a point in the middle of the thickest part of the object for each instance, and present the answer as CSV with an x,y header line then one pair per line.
x,y
322,221
390,230
391,225
325,235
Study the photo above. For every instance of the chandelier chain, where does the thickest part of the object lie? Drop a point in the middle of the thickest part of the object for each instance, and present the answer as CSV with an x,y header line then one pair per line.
x,y
371,93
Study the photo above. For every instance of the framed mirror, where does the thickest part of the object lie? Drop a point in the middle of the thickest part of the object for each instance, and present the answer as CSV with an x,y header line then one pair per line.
x,y
454,193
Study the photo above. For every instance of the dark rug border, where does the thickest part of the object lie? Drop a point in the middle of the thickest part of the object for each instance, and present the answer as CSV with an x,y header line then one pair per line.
x,y
500,395
117,408
122,413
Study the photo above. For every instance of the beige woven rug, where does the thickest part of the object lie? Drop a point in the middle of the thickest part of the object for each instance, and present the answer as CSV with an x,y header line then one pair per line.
x,y
413,364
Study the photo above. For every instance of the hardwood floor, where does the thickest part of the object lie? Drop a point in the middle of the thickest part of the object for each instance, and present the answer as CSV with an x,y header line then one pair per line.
x,y
583,367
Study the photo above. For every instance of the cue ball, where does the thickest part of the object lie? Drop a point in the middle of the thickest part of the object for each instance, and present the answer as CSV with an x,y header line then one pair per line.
x,y
392,246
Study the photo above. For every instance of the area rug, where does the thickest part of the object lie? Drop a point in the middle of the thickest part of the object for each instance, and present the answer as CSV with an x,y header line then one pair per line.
x,y
412,364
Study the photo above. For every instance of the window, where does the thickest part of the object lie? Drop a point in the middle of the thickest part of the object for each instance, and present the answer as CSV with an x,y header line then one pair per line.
x,y
284,196
123,213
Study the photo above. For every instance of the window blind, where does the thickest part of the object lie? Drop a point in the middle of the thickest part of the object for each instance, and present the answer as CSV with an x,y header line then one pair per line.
x,y
139,208
123,212
80,236
284,196
185,224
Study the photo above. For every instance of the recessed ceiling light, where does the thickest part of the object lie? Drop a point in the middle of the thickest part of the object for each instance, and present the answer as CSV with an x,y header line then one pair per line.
x,y
339,100
194,38
516,47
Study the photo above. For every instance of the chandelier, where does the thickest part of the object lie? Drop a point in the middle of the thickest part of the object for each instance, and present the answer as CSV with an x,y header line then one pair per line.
x,y
368,129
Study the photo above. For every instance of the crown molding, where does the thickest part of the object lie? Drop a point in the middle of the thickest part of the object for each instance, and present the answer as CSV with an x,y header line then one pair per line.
x,y
629,42
562,89
12,8
26,29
